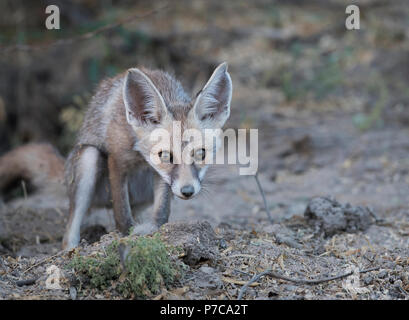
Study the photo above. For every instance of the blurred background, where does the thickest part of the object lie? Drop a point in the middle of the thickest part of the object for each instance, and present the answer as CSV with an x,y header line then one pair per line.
x,y
295,53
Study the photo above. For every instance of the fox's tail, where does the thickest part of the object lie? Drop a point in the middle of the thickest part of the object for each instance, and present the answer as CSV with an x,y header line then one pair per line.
x,y
39,165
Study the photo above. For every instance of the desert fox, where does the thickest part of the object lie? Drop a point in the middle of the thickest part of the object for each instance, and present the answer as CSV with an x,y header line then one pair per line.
x,y
111,163
112,156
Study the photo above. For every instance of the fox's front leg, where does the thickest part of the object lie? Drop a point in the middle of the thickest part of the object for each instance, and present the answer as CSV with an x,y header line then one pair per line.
x,y
120,196
161,205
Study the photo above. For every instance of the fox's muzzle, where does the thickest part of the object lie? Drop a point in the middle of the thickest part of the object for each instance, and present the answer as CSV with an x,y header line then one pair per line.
x,y
185,181
187,191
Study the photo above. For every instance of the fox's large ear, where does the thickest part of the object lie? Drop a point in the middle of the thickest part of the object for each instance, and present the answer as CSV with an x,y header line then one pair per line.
x,y
212,106
143,102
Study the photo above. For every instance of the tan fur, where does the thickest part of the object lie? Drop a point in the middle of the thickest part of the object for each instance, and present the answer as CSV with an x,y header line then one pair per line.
x,y
110,163
38,164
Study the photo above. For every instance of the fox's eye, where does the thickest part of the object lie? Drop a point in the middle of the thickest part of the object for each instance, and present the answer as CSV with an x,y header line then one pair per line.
x,y
166,156
199,154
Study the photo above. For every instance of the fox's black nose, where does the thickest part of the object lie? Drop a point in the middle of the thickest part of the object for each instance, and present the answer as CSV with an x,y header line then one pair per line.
x,y
187,191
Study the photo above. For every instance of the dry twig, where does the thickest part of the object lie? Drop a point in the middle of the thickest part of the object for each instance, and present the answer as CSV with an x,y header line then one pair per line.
x,y
43,260
273,274
264,198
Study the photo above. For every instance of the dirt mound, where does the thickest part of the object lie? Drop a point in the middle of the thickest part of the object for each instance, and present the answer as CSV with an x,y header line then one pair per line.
x,y
331,217
198,240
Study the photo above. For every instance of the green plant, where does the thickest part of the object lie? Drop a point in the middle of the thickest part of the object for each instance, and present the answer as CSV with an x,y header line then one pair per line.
x,y
146,267
100,268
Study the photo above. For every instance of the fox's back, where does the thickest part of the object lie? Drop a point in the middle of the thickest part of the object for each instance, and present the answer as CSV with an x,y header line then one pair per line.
x,y
103,108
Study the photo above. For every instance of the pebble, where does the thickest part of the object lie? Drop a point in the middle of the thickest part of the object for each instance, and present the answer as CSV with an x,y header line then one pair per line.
x,y
382,274
222,244
73,293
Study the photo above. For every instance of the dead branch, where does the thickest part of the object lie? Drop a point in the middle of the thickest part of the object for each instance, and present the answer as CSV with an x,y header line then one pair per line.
x,y
42,261
264,198
271,273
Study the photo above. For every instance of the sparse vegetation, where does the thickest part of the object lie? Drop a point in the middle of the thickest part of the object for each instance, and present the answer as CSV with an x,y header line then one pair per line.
x,y
146,267
319,81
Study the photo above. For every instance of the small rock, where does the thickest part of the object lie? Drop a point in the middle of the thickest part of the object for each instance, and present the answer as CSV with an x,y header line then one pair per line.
x,y
73,293
222,244
396,293
26,282
368,280
382,274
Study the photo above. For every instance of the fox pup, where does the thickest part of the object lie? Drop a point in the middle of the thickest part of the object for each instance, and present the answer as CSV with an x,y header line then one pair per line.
x,y
111,162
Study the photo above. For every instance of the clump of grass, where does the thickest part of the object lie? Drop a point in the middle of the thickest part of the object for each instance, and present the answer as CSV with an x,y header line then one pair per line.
x,y
99,268
146,267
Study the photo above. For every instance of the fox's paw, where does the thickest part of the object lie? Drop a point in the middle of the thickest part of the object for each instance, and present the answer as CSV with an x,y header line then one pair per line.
x,y
144,229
